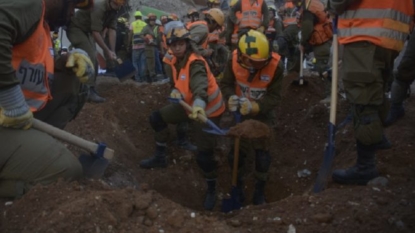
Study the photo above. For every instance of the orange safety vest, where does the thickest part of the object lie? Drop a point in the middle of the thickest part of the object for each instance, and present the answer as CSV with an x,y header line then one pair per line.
x,y
189,26
33,63
234,37
251,14
256,88
290,21
163,38
215,105
323,29
383,23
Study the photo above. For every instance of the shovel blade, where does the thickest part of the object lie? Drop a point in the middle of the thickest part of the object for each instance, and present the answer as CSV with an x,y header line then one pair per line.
x,y
216,131
125,71
232,203
93,166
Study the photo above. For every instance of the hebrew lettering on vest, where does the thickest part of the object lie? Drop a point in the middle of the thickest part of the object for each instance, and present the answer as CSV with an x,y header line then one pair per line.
x,y
31,76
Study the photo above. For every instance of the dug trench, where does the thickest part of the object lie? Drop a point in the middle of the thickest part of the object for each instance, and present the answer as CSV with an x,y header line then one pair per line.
x,y
131,199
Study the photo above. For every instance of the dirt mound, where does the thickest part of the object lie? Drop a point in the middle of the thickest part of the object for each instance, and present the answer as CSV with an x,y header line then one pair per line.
x,y
298,138
250,129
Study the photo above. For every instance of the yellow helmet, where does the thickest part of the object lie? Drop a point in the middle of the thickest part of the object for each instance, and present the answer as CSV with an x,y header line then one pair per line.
x,y
176,34
217,15
138,14
254,45
233,2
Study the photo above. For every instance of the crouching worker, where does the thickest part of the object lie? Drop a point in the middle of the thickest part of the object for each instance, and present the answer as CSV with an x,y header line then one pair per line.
x,y
27,155
193,83
252,84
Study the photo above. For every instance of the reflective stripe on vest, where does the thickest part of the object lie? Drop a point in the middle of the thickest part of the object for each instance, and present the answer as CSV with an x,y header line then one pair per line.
x,y
251,14
383,23
257,88
290,21
33,63
215,105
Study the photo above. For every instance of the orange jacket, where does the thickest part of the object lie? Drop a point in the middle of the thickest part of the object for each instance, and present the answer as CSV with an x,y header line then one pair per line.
x,y
383,23
289,21
163,40
323,29
33,62
256,88
215,105
251,14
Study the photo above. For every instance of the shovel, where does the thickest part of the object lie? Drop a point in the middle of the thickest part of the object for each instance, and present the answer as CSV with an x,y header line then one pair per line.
x,y
234,202
214,129
94,164
124,70
329,151
300,81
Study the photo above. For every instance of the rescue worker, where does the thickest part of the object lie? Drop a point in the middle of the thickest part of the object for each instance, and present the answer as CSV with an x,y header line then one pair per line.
x,y
245,15
85,30
121,42
163,43
252,85
316,31
275,26
29,156
56,42
370,47
404,77
193,83
153,64
138,46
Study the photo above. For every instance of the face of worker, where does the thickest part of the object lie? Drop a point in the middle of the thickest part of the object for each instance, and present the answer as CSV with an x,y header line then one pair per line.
x,y
54,15
152,22
179,48
256,65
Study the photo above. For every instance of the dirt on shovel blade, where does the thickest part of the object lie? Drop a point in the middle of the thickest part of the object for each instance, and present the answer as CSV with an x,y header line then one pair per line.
x,y
250,129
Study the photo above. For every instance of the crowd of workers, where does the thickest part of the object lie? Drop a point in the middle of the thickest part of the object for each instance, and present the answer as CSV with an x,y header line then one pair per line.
x,y
215,61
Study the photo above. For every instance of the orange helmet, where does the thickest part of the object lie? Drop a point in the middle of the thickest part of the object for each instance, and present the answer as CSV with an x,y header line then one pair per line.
x,y
151,16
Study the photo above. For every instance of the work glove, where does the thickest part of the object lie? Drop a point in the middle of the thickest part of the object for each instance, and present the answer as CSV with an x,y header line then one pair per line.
x,y
248,107
80,63
14,112
261,29
233,103
175,94
198,108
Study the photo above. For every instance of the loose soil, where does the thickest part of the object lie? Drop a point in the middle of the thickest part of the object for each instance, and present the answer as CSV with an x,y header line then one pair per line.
x,y
250,129
131,199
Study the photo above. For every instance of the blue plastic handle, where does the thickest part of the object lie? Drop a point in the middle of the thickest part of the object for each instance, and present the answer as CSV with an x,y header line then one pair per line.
x,y
335,20
100,150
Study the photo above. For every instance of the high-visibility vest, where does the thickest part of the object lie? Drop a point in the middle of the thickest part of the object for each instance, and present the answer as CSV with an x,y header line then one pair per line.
x,y
323,29
215,105
234,37
33,62
383,23
251,14
138,26
163,38
256,88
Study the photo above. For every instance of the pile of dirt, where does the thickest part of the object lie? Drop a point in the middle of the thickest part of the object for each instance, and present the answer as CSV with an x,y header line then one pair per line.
x,y
298,138
250,129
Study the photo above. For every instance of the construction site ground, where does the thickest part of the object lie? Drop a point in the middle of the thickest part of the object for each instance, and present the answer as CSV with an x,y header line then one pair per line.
x,y
131,199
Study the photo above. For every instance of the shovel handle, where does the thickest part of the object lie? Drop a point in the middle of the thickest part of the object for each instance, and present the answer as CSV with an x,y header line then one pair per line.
x,y
71,139
235,161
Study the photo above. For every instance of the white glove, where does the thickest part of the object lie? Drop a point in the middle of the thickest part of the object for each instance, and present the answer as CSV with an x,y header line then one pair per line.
x,y
233,103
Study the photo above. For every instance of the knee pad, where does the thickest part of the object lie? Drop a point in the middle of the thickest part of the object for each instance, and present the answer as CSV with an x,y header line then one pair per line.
x,y
207,163
262,161
156,121
367,124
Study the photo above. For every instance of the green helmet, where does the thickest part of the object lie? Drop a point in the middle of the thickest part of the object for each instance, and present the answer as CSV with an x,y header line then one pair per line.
x,y
138,14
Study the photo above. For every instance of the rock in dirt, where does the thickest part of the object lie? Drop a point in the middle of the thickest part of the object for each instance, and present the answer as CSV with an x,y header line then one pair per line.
x,y
322,218
175,219
378,182
303,173
144,201
291,229
152,213
251,129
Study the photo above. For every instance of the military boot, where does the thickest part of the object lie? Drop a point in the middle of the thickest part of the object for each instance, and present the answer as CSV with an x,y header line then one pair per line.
x,y
259,195
364,170
210,198
158,160
94,97
399,92
182,139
